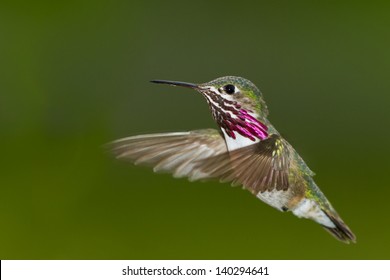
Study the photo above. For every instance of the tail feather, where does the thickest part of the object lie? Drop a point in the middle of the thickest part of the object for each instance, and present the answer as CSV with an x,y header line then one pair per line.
x,y
326,216
341,231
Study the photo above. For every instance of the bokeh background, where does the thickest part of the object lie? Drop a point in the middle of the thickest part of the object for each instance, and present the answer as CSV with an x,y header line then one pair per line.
x,y
74,76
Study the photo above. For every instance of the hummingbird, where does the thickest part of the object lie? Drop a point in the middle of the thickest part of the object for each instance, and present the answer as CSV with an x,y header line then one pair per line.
x,y
246,151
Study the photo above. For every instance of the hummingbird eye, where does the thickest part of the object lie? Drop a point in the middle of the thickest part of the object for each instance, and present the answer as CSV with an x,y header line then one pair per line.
x,y
229,89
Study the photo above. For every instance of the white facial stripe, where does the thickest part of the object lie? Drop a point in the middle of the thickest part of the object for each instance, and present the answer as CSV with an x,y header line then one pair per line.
x,y
224,96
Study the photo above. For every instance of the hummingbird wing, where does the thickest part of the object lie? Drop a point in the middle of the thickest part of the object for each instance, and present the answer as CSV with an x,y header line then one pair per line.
x,y
260,167
202,154
178,152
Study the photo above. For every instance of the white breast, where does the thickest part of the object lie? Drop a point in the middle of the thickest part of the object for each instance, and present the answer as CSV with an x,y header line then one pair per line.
x,y
239,142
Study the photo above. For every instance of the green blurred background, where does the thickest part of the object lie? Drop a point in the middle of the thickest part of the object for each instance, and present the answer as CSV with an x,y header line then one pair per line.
x,y
74,75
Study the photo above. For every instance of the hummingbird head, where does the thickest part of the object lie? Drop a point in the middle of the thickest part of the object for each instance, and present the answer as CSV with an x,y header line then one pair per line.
x,y
238,91
236,104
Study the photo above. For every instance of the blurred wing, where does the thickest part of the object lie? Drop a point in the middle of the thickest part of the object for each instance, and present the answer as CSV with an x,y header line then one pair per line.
x,y
261,167
202,154
177,152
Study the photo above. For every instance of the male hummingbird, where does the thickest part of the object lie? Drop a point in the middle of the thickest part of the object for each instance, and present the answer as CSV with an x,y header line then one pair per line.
x,y
246,150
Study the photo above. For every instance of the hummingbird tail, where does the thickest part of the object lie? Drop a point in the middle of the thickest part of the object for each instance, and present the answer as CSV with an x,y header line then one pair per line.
x,y
340,231
325,216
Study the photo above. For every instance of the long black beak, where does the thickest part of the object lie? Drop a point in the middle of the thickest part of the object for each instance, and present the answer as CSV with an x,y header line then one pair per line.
x,y
175,83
